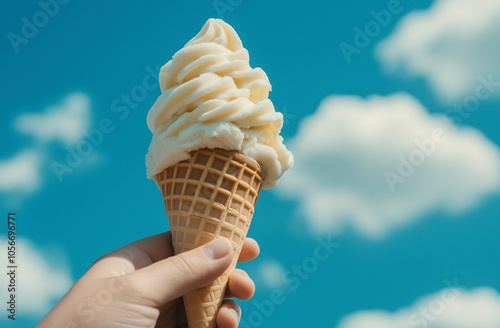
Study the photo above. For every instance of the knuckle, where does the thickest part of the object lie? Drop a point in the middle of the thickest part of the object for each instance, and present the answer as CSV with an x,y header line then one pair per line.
x,y
133,287
185,267
129,282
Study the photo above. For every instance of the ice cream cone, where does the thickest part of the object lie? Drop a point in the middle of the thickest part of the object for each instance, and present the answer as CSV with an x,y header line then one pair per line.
x,y
212,195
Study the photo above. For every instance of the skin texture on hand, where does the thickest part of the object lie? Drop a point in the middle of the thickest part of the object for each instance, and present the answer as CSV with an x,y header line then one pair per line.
x,y
141,285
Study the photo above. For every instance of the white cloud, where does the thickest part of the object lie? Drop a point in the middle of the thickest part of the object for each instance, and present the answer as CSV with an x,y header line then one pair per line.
x,y
272,273
451,44
65,121
455,308
21,173
42,279
345,150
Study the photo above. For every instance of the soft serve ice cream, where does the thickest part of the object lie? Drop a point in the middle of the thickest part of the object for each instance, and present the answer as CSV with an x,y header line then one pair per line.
x,y
212,98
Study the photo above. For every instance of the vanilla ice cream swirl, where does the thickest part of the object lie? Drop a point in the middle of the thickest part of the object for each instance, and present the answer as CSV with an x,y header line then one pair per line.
x,y
212,98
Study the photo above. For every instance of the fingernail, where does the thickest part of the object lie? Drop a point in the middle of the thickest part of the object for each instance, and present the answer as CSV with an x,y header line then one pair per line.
x,y
217,249
235,314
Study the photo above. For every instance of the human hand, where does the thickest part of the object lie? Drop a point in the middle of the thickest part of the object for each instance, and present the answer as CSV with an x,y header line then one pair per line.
x,y
141,284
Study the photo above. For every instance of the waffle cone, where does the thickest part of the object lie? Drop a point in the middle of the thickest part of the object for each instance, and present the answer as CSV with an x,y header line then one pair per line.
x,y
211,195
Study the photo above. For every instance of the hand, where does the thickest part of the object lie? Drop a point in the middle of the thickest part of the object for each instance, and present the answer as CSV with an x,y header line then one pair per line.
x,y
141,284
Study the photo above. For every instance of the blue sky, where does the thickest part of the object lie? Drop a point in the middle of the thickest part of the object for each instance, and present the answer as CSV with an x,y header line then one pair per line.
x,y
396,248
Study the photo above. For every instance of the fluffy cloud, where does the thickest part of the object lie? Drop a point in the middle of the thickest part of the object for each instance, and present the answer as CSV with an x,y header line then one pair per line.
x,y
455,308
42,279
452,44
21,173
65,121
272,273
379,163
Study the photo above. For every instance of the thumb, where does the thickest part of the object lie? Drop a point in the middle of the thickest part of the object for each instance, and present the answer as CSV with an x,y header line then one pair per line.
x,y
175,276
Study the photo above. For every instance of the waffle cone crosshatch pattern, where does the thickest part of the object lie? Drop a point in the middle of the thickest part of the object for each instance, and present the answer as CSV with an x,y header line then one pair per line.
x,y
211,195
214,193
